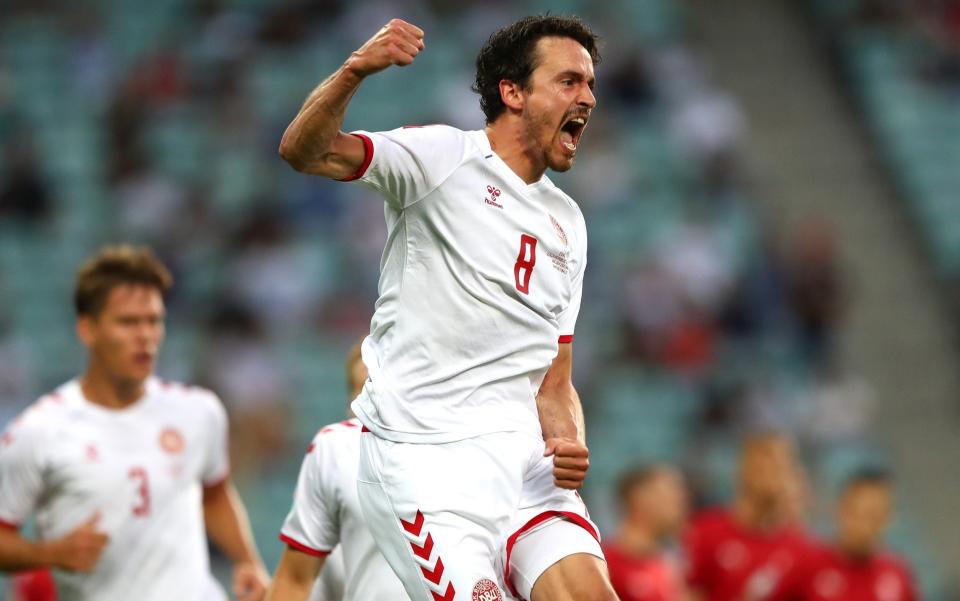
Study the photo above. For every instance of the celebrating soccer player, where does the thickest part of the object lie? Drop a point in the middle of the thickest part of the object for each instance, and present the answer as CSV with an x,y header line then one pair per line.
x,y
122,470
474,432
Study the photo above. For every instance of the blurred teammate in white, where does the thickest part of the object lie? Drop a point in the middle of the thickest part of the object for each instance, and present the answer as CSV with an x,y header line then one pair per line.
x,y
475,432
122,470
325,527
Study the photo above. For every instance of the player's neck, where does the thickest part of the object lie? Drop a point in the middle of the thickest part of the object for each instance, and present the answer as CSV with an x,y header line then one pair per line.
x,y
637,539
855,553
513,147
757,514
99,388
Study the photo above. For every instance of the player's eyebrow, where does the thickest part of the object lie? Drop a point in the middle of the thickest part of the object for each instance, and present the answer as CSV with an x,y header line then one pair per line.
x,y
577,75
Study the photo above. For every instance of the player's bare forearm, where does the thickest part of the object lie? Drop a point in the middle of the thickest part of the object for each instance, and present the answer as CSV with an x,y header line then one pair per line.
x,y
19,554
561,420
78,551
558,404
227,524
295,576
561,415
313,142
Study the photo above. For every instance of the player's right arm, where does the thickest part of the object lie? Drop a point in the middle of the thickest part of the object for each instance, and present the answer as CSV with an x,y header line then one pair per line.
x,y
78,551
22,485
295,575
313,142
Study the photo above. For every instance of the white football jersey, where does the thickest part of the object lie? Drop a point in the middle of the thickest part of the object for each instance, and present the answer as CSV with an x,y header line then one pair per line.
x,y
480,279
141,469
326,513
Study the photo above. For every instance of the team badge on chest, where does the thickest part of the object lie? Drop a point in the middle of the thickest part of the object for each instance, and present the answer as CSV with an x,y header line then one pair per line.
x,y
171,441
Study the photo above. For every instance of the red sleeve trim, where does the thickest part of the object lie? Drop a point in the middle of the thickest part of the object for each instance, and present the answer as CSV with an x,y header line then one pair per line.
x,y
566,339
302,547
367,157
576,518
9,525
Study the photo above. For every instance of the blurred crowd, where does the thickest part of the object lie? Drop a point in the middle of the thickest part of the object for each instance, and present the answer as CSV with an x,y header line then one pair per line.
x,y
176,112
936,21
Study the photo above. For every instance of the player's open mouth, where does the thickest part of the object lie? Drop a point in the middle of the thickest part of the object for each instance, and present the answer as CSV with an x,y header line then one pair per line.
x,y
571,131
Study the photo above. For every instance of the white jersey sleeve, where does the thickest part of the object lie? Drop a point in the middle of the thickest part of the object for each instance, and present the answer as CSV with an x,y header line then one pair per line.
x,y
21,472
217,465
567,319
313,524
408,163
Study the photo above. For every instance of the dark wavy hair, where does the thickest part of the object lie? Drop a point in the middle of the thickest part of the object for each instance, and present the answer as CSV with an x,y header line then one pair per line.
x,y
510,54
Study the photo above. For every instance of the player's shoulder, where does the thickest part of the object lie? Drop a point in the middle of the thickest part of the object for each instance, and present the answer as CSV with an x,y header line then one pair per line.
x,y
346,428
334,438
40,419
438,136
186,396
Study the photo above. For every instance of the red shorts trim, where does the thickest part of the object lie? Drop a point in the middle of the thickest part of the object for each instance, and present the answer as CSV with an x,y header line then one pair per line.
x,y
364,429
302,547
9,525
576,518
367,157
566,339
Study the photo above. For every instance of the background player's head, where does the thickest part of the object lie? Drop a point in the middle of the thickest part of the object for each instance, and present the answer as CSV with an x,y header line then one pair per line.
x,y
654,498
769,470
356,375
538,74
865,510
118,298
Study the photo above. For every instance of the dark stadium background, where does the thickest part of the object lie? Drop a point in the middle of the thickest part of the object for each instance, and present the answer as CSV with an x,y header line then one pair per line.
x,y
771,187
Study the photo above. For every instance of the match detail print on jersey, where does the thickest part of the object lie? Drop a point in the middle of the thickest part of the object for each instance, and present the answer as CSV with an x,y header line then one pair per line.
x,y
523,268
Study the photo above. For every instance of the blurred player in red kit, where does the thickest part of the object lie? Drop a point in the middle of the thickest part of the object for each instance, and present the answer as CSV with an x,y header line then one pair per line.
x,y
654,504
745,552
855,567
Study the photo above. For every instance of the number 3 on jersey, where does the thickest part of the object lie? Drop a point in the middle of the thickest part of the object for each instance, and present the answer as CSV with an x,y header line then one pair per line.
x,y
523,268
139,474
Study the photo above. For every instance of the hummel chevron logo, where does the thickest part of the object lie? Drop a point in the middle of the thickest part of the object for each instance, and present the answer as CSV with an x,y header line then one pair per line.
x,y
424,551
415,526
448,596
434,574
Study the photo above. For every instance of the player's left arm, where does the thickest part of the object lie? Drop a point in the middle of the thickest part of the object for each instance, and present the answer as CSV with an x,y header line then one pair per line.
x,y
229,528
561,419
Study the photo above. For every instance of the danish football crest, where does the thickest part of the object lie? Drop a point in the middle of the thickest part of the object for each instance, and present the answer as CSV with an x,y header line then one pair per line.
x,y
486,590
171,441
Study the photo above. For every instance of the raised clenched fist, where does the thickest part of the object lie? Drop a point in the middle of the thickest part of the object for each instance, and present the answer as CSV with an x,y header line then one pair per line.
x,y
397,43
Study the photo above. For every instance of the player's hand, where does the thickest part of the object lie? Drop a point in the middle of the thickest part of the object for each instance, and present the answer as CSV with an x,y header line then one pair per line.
x,y
571,460
397,43
250,581
80,550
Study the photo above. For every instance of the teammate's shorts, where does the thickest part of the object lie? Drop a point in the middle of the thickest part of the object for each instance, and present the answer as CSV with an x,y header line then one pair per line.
x,y
473,520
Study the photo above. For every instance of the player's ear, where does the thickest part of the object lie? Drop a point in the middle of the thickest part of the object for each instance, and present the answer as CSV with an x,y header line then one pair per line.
x,y
85,330
511,94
